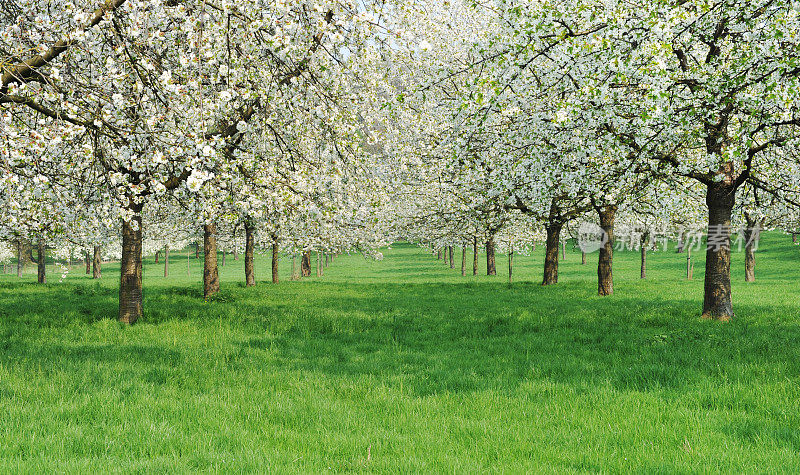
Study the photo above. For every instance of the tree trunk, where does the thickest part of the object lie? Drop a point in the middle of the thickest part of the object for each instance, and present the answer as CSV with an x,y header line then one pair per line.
x,y
41,271
644,243
491,269
305,264
130,286
551,253
794,238
319,264
605,279
197,250
88,260
463,261
166,260
583,258
97,259
275,261
564,250
157,253
510,262
751,235
439,254
235,253
223,258
452,264
689,264
249,254
474,255
19,258
327,258
717,303
295,274
210,270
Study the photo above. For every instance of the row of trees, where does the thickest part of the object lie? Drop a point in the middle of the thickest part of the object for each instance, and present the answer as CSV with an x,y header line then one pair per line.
x,y
336,125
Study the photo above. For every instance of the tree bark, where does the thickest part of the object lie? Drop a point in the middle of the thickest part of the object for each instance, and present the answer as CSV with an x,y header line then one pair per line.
x,y
689,264
644,242
19,258
305,264
551,253
97,259
717,302
88,260
452,264
583,258
510,262
295,274
439,254
223,258
491,269
605,279
41,269
474,255
319,264
166,260
210,269
275,252
130,286
463,261
564,250
157,253
249,254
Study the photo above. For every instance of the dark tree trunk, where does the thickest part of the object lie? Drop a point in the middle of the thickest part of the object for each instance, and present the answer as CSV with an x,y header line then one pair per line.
x,y
583,258
452,263
551,253
19,258
166,260
463,261
445,254
605,279
327,259
235,254
41,271
751,236
510,263
474,255
644,243
210,270
319,264
157,253
88,260
275,260
97,259
717,303
439,254
223,258
305,264
130,286
249,254
491,269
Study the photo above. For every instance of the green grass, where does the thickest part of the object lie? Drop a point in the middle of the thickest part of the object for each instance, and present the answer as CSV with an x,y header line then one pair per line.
x,y
403,365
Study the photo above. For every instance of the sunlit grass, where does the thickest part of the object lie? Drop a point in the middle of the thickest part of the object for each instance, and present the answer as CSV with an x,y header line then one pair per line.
x,y
404,365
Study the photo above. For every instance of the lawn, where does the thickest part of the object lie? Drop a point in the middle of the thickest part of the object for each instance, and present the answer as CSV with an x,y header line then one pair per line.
x,y
403,365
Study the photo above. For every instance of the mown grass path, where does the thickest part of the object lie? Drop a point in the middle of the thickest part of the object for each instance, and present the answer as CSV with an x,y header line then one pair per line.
x,y
403,365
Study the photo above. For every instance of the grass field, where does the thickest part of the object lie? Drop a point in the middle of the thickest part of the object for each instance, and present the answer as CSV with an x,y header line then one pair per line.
x,y
403,365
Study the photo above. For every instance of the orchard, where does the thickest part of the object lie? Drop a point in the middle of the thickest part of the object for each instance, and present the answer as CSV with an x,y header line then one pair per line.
x,y
385,235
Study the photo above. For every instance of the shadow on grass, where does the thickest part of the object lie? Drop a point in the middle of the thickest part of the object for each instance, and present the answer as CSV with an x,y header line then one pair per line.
x,y
435,338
